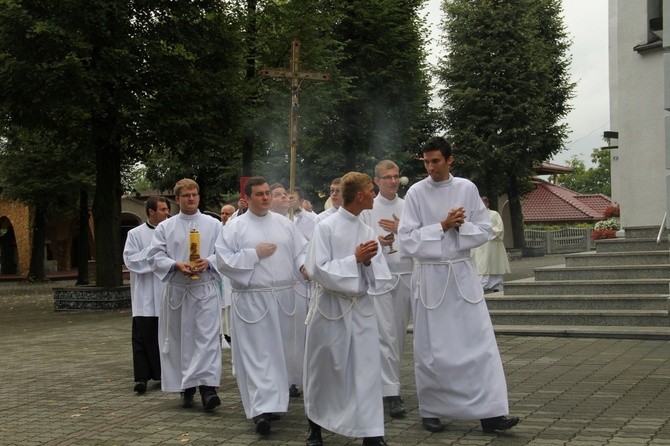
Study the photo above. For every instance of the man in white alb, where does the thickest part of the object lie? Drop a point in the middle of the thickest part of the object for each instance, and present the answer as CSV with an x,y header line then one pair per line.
x,y
190,317
146,290
260,252
342,385
458,370
293,322
490,259
335,200
393,307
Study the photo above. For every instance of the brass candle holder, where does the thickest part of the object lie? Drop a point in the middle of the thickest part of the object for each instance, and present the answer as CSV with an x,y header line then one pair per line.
x,y
194,251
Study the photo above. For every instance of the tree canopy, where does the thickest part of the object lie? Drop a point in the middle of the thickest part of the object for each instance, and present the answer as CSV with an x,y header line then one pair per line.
x,y
115,82
505,90
592,180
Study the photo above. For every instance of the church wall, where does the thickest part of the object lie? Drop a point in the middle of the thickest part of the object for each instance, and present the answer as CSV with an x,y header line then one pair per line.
x,y
637,114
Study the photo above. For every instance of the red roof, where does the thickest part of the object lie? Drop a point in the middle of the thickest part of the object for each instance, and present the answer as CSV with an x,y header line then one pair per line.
x,y
550,203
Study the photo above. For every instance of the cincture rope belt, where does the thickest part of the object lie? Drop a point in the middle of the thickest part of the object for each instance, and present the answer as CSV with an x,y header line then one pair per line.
x,y
450,268
314,303
165,313
272,290
398,279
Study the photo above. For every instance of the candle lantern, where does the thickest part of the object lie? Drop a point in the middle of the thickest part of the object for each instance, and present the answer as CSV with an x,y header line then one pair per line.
x,y
194,250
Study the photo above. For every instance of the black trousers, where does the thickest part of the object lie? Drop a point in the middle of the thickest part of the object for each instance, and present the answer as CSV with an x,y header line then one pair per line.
x,y
146,358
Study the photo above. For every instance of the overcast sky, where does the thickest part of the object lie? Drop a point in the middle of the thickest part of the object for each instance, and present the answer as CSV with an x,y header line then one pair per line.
x,y
586,24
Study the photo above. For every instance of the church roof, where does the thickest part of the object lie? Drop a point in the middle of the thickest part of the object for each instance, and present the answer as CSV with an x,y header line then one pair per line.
x,y
550,203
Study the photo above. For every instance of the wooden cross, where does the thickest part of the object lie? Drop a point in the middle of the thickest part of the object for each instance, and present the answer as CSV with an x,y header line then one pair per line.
x,y
296,77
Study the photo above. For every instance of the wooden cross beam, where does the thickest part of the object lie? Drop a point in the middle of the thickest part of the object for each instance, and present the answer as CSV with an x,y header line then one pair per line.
x,y
296,77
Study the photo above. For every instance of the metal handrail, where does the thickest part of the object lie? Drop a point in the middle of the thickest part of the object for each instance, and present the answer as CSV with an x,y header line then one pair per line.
x,y
660,231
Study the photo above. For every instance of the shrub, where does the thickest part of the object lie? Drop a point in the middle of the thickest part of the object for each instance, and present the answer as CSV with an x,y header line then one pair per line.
x,y
610,223
612,211
600,234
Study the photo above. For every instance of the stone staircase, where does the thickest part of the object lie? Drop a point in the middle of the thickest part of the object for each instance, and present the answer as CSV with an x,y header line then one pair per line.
x,y
622,290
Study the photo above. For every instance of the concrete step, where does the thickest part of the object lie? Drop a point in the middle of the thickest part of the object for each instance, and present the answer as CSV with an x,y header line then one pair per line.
x,y
645,232
531,286
592,258
565,273
585,331
498,301
631,244
640,318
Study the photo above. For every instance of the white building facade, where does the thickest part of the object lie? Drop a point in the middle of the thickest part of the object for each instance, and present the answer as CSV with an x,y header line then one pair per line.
x,y
639,73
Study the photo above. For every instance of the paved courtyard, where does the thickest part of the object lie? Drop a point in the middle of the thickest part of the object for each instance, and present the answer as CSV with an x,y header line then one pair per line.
x,y
66,379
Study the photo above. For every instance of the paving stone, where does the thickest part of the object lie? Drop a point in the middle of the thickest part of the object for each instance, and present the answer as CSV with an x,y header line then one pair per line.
x,y
68,381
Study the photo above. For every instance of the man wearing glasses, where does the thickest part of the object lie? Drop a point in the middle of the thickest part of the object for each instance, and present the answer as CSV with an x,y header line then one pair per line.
x,y
393,306
335,199
189,320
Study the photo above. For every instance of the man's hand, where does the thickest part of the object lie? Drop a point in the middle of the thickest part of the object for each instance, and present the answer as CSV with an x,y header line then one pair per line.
x,y
184,268
390,225
455,219
366,251
242,204
294,203
265,249
306,205
200,265
384,241
303,271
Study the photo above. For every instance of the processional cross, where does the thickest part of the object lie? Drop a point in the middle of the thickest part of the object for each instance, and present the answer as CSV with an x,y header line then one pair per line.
x,y
296,77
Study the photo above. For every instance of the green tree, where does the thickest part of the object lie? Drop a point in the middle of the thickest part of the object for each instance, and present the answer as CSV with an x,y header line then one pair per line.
x,y
192,112
386,113
594,180
374,106
120,81
505,89
267,116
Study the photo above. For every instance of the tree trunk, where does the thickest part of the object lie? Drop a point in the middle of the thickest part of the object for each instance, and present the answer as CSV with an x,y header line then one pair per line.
x,y
516,213
82,246
107,201
248,143
39,235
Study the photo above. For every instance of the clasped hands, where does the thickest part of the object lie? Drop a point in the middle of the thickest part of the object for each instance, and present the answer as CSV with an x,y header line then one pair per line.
x,y
455,219
187,269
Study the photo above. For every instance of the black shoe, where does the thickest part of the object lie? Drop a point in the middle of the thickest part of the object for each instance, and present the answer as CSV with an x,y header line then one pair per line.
x,y
210,399
490,425
273,416
262,424
294,392
187,397
433,424
374,441
314,435
140,387
396,409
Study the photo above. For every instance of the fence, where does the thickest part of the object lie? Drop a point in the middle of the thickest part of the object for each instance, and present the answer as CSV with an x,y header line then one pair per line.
x,y
561,241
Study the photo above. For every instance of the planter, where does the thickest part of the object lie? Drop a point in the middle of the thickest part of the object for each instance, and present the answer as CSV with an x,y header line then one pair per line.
x,y
91,298
534,251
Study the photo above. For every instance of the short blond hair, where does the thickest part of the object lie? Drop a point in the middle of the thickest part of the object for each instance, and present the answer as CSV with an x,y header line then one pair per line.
x,y
351,184
185,183
386,165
